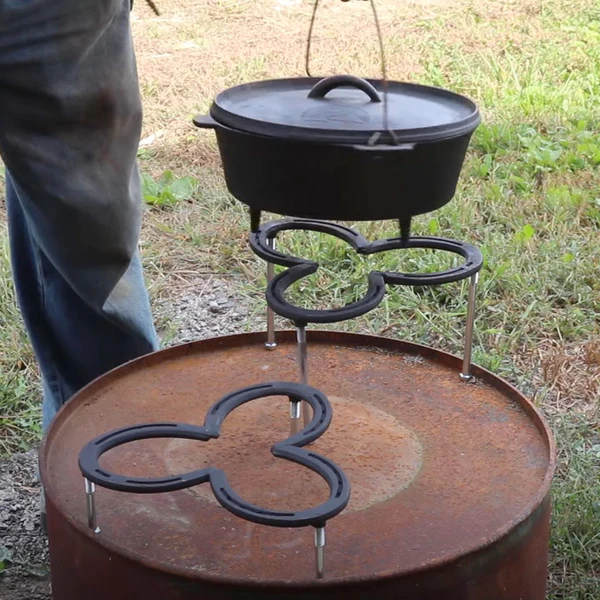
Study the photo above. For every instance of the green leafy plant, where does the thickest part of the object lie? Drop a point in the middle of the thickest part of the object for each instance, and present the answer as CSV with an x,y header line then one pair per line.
x,y
168,190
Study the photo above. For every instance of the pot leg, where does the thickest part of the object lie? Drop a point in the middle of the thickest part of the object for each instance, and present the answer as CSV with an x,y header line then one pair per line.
x,y
466,370
405,226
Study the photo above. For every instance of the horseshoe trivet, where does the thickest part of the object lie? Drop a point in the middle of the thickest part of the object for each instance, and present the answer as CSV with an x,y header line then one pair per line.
x,y
262,242
290,449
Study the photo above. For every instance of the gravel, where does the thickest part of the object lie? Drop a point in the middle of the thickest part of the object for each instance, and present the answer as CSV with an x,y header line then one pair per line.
x,y
205,308
23,546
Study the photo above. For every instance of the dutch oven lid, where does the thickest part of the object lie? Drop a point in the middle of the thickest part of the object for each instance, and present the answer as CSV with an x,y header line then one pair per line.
x,y
345,109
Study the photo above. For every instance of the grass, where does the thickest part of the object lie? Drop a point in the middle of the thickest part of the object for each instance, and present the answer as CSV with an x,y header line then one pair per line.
x,y
529,198
20,418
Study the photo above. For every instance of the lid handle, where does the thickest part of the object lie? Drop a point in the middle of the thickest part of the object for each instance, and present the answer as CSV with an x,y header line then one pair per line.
x,y
323,87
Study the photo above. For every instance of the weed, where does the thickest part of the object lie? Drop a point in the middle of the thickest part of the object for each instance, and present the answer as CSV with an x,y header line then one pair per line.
x,y
168,190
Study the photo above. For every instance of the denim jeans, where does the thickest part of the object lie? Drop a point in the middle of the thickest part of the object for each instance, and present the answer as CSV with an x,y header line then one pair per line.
x,y
70,123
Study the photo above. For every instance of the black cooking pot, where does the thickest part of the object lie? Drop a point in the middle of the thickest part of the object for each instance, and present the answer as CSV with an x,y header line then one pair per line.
x,y
341,148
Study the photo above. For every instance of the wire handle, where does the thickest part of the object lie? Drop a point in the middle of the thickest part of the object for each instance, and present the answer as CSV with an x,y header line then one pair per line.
x,y
384,75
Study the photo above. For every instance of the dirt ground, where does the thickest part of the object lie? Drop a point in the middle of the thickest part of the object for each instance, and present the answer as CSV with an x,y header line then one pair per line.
x,y
22,543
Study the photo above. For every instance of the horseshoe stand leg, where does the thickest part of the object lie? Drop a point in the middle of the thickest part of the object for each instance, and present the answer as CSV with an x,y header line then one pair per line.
x,y
303,366
90,492
320,548
466,370
295,414
270,344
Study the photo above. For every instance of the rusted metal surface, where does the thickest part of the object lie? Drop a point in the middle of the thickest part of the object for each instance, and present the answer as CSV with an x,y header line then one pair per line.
x,y
450,481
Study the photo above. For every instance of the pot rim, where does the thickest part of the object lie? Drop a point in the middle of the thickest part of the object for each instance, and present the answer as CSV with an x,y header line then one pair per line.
x,y
379,146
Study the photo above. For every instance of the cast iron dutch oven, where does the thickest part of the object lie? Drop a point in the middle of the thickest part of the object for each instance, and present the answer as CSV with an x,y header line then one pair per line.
x,y
320,149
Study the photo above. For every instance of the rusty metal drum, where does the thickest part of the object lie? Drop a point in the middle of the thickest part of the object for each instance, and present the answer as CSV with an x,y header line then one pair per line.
x,y
450,480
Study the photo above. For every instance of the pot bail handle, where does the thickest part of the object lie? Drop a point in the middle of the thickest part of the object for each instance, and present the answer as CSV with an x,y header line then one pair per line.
x,y
386,126
323,87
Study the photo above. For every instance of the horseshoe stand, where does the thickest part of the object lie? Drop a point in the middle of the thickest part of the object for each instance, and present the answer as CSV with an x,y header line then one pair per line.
x,y
262,242
290,449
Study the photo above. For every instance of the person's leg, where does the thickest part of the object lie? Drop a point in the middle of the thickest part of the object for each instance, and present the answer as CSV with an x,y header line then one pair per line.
x,y
74,343
70,121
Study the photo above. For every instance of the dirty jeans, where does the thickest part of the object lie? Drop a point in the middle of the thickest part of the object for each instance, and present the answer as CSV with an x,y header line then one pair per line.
x,y
70,122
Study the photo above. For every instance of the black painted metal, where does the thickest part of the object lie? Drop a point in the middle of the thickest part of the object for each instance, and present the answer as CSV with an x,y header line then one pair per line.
x,y
290,449
302,316
298,268
309,148
338,182
344,109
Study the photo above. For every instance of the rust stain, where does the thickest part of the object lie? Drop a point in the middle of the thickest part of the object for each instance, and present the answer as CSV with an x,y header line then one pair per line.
x,y
370,446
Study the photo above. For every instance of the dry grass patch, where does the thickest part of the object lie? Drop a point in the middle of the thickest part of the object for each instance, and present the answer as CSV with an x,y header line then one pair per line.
x,y
198,48
571,373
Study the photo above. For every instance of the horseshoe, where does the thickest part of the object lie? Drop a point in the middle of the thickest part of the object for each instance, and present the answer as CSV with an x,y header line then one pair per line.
x,y
299,268
290,449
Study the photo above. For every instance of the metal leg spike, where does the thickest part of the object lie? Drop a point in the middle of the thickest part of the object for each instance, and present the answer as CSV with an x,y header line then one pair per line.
x,y
466,370
320,548
303,362
90,490
270,344
295,414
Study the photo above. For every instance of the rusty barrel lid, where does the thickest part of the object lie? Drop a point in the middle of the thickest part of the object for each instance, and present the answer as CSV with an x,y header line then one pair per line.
x,y
439,468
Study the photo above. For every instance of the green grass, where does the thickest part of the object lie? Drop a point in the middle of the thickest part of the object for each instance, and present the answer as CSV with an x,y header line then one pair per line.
x,y
575,546
20,414
529,198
